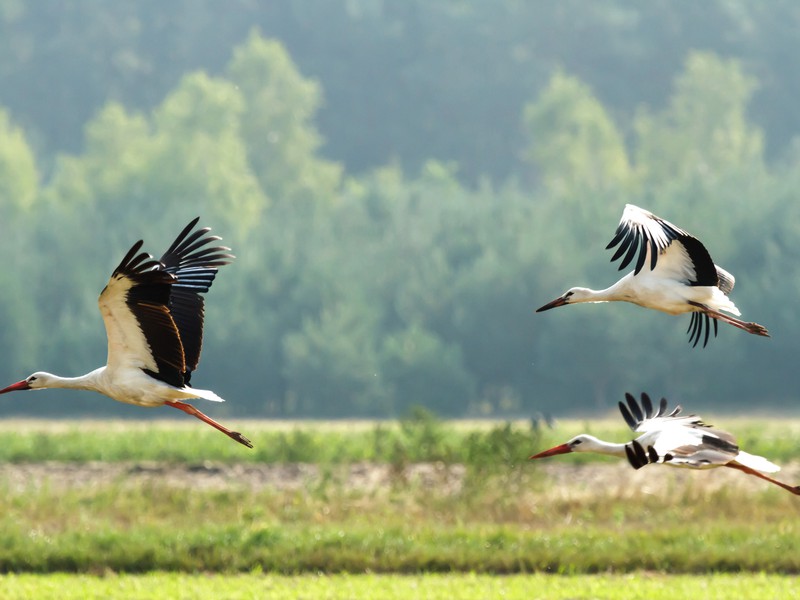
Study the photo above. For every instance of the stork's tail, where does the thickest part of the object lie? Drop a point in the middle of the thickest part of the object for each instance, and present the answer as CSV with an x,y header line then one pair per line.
x,y
758,463
193,393
726,280
720,301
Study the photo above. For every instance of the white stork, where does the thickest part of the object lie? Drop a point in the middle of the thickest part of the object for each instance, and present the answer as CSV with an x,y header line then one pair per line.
x,y
670,439
681,277
153,314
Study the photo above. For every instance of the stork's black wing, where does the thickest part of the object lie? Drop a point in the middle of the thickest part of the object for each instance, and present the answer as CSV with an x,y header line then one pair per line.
x,y
141,332
194,266
642,233
638,417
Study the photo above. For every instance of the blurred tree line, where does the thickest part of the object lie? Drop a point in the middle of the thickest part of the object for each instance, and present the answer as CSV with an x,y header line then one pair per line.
x,y
402,266
453,73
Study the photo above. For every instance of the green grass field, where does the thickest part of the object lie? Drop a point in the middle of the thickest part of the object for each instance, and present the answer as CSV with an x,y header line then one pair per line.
x,y
419,438
646,586
181,500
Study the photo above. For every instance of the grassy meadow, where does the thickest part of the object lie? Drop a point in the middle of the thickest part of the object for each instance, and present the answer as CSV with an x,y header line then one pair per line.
x,y
418,503
418,438
646,586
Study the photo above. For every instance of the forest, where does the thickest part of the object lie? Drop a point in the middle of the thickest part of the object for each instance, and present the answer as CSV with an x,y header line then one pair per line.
x,y
403,184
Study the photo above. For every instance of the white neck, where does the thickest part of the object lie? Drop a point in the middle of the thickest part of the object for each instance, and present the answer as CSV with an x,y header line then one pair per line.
x,y
618,291
83,382
592,444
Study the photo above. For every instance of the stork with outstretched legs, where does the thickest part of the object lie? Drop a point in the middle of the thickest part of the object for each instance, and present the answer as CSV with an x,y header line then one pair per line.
x,y
674,273
671,439
153,313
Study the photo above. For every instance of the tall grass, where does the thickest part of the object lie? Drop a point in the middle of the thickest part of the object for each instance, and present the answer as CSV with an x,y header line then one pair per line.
x,y
511,522
506,515
418,438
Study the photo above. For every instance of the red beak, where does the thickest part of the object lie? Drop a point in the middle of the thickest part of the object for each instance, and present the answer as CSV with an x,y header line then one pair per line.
x,y
560,301
20,385
562,449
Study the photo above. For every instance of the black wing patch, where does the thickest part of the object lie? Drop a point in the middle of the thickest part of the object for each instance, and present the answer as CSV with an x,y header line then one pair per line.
x,y
165,299
635,415
194,266
637,455
727,446
634,238
705,271
147,299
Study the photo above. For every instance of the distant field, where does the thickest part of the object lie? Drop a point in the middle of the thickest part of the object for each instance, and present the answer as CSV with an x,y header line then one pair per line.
x,y
646,586
410,497
425,439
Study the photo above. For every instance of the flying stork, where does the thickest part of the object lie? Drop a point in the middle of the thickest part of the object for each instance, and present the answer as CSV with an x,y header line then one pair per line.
x,y
681,276
674,440
153,314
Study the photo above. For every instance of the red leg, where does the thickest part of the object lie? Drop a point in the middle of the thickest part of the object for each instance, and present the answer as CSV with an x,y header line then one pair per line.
x,y
753,328
191,410
792,488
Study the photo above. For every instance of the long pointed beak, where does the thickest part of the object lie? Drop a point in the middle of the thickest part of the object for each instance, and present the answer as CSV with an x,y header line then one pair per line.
x,y
20,385
560,301
562,449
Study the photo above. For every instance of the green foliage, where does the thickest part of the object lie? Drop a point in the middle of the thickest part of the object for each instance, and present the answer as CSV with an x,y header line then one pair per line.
x,y
333,360
418,366
199,131
502,518
502,445
422,435
453,74
419,436
366,295
704,132
19,177
279,134
329,549
574,144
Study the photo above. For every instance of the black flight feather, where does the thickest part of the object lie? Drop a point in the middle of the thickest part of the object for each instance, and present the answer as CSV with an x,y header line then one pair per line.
x,y
194,266
620,233
647,405
147,299
626,414
165,299
634,406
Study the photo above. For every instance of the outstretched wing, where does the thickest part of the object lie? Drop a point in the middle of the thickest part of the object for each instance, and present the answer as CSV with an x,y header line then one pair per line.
x,y
140,329
153,311
194,266
674,254
670,438
645,417
699,452
641,234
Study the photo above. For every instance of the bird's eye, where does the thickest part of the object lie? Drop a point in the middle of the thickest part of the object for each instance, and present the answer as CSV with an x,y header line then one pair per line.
x,y
576,442
31,378
569,294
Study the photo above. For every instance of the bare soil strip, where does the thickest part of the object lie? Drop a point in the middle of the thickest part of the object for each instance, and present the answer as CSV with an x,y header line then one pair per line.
x,y
572,480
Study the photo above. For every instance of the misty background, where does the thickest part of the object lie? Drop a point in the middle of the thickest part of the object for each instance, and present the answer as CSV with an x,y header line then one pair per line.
x,y
403,184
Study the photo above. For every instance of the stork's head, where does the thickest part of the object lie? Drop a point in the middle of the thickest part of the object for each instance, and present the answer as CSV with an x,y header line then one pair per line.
x,y
571,296
580,443
38,380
